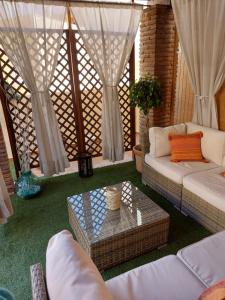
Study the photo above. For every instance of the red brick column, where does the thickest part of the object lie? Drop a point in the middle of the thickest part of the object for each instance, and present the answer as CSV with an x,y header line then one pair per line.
x,y
4,164
158,45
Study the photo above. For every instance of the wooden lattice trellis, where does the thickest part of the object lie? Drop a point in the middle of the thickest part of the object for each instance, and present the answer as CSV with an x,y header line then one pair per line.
x,y
20,112
60,92
63,96
91,95
128,116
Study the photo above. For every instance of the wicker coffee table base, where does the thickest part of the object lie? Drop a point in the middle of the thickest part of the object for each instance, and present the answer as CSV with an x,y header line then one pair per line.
x,y
124,246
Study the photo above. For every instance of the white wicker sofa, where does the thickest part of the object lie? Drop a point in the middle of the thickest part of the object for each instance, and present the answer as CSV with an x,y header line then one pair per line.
x,y
196,188
70,273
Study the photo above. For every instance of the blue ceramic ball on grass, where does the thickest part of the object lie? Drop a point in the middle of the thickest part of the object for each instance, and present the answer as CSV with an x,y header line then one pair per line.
x,y
6,295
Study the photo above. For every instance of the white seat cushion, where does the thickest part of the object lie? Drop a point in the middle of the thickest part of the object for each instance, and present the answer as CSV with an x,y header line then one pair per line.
x,y
176,171
159,141
70,272
208,185
212,143
167,278
206,259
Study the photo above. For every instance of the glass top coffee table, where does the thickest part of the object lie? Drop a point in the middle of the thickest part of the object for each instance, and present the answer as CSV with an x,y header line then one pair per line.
x,y
111,237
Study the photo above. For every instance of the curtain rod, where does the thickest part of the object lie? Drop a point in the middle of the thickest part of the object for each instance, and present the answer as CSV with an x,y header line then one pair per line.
x,y
88,2
133,2
106,2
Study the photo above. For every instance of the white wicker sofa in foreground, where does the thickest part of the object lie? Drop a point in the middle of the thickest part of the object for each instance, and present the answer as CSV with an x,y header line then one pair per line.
x,y
197,188
70,273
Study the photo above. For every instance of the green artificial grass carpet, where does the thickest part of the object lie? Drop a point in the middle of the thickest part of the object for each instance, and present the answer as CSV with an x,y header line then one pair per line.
x,y
24,239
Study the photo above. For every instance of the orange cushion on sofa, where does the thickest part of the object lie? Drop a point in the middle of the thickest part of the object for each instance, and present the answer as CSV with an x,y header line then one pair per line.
x,y
215,292
186,147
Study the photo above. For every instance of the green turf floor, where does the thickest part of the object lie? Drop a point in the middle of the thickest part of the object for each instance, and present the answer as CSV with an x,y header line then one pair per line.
x,y
24,239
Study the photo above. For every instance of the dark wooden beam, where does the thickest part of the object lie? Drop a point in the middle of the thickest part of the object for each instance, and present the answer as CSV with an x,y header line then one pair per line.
x,y
75,86
132,110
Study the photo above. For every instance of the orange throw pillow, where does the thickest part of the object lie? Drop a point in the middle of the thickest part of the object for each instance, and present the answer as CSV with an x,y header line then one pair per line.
x,y
186,147
215,292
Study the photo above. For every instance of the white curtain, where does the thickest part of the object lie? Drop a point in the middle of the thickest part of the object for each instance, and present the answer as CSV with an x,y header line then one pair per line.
x,y
6,209
108,32
201,30
30,34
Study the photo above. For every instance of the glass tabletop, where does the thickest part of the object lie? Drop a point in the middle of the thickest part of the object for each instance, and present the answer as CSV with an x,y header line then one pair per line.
x,y
98,222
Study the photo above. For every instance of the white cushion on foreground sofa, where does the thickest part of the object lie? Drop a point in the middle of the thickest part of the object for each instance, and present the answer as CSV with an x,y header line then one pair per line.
x,y
167,278
206,259
70,272
176,171
208,185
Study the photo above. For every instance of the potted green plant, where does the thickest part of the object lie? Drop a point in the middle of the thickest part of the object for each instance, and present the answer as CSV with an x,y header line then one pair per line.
x,y
144,94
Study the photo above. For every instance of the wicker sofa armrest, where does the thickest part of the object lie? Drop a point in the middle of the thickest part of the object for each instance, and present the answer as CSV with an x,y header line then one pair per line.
x,y
38,284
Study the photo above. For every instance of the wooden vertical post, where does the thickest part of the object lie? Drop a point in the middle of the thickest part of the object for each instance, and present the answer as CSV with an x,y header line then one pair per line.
x,y
174,78
75,85
9,125
132,110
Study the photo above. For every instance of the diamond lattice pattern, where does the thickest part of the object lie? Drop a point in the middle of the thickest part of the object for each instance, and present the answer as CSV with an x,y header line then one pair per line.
x,y
61,95
60,91
20,111
91,96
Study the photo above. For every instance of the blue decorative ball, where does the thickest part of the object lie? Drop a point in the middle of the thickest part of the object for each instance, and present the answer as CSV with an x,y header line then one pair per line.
x,y
6,295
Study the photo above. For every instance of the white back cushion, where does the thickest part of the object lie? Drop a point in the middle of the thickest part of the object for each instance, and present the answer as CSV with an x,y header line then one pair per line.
x,y
166,278
70,272
206,258
159,142
212,143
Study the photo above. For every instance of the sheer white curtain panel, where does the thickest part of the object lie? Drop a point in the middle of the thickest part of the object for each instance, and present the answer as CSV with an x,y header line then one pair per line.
x,y
30,34
201,31
108,32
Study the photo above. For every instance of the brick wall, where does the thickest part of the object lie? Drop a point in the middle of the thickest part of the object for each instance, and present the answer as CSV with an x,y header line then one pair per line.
x,y
158,45
4,164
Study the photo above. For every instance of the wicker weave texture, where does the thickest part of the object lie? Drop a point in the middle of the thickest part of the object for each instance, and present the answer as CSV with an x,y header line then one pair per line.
x,y
121,248
206,214
38,283
124,246
163,185
120,234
